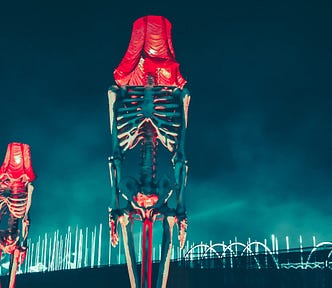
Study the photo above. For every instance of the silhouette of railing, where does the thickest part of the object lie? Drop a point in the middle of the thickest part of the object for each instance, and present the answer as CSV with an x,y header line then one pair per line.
x,y
80,248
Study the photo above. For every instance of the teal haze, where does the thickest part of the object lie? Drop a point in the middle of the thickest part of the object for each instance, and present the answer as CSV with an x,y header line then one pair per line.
x,y
259,140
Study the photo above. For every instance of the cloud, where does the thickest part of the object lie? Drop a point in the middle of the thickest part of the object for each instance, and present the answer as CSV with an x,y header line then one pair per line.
x,y
219,214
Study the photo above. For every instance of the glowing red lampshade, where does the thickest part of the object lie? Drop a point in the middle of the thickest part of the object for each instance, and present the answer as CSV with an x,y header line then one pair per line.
x,y
150,52
17,163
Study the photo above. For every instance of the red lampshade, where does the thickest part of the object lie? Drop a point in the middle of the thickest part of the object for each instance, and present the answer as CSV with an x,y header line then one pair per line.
x,y
150,52
17,163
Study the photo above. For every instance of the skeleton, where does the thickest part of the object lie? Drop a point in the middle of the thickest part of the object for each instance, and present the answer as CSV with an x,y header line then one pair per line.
x,y
16,175
147,114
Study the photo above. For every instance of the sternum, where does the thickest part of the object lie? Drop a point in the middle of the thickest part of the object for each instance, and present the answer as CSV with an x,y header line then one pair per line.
x,y
148,105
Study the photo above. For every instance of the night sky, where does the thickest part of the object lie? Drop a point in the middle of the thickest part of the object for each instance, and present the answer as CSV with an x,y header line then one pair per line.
x,y
259,141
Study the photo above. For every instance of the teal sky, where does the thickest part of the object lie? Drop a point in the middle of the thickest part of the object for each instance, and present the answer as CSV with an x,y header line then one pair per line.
x,y
259,137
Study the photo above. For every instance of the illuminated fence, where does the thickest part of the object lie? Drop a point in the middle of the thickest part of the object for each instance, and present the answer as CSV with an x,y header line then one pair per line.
x,y
257,255
74,249
79,248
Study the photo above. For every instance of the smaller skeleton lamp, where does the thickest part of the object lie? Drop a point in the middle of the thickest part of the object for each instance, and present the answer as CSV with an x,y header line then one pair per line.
x,y
16,175
149,105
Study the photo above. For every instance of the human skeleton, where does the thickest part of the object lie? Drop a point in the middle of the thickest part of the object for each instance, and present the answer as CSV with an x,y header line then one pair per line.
x,y
149,112
16,175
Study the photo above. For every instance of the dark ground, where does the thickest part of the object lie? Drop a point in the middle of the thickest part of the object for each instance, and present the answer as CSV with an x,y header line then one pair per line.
x,y
116,276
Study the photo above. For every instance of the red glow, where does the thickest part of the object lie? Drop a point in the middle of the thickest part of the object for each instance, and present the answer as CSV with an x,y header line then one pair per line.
x,y
150,52
17,163
145,200
146,270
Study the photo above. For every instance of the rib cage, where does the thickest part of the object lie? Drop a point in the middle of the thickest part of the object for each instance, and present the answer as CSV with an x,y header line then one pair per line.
x,y
162,109
15,200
